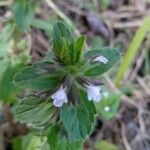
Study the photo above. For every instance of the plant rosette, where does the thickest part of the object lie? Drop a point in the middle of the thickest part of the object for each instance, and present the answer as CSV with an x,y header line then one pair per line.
x,y
63,86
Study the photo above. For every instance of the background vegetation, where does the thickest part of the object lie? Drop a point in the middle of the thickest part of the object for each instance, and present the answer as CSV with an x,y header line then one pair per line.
x,y
25,36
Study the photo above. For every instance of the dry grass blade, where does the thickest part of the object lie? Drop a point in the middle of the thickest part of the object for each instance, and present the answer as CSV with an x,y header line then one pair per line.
x,y
126,143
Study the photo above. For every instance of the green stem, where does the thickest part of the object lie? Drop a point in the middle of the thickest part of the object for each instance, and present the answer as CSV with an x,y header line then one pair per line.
x,y
132,50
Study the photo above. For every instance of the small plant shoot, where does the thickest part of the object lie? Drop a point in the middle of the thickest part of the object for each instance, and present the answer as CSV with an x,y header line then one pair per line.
x,y
64,87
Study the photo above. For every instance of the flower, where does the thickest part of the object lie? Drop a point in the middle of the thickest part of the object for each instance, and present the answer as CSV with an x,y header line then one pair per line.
x,y
107,108
101,59
59,97
105,94
93,93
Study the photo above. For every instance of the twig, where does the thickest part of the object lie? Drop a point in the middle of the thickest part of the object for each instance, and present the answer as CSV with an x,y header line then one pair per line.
x,y
2,146
143,85
141,122
123,97
127,8
61,15
9,116
129,24
125,141
138,66
6,3
73,9
140,137
96,4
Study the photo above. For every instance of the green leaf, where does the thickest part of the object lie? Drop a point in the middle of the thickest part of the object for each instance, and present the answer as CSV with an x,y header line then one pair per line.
x,y
68,115
79,45
104,145
88,105
78,120
112,101
66,145
104,3
33,111
38,143
64,53
32,142
61,33
57,141
8,91
17,143
53,136
24,11
98,68
38,77
5,47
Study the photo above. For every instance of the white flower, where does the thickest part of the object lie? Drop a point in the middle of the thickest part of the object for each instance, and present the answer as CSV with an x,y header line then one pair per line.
x,y
107,108
59,97
93,93
105,94
101,59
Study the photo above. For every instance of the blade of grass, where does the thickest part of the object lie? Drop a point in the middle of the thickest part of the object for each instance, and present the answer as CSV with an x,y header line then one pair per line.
x,y
132,50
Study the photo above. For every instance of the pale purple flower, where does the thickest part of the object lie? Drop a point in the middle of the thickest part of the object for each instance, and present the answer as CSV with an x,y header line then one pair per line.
x,y
59,97
94,93
101,59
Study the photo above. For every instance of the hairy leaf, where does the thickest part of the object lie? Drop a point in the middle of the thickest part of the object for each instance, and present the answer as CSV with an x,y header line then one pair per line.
x,y
38,77
8,90
79,45
97,68
62,37
53,136
33,111
78,120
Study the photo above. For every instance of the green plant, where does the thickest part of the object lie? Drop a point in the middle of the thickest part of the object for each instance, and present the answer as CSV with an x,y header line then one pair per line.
x,y
104,3
10,63
62,88
108,106
23,11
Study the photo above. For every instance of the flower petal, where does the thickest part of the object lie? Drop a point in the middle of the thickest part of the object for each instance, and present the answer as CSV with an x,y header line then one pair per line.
x,y
57,103
89,96
59,97
93,93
